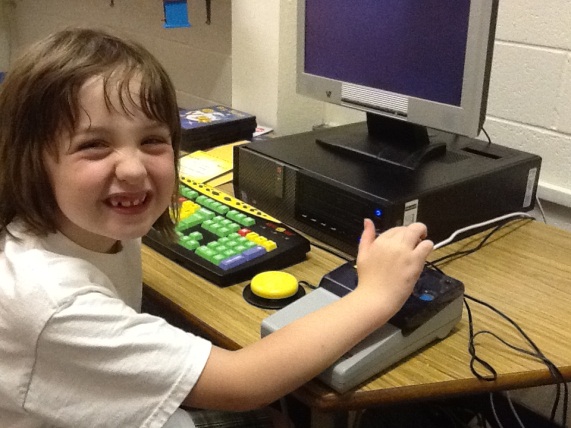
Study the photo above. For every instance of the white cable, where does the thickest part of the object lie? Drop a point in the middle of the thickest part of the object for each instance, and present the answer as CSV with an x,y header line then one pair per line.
x,y
538,203
513,409
475,226
494,410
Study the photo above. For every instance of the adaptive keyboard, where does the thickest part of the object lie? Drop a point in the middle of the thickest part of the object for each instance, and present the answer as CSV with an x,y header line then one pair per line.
x,y
226,240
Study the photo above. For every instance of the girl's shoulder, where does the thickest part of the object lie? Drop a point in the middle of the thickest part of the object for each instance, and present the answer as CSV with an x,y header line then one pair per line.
x,y
32,267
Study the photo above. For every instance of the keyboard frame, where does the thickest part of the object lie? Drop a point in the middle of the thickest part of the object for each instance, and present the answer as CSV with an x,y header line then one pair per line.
x,y
186,258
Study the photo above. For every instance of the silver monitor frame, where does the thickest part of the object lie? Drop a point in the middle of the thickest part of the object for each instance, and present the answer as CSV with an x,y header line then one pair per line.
x,y
467,119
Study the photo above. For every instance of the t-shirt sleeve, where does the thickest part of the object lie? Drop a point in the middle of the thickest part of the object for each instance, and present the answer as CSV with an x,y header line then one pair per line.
x,y
99,364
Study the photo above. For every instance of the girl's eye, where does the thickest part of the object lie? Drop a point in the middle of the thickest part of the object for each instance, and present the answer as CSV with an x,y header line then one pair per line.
x,y
93,149
156,145
156,140
91,145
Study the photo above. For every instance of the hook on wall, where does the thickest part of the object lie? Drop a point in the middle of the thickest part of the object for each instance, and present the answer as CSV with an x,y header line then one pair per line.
x,y
208,11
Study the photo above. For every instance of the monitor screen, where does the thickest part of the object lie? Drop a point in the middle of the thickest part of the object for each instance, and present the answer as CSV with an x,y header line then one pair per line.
x,y
409,64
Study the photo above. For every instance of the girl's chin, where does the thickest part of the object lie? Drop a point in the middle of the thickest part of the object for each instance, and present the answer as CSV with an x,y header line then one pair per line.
x,y
128,235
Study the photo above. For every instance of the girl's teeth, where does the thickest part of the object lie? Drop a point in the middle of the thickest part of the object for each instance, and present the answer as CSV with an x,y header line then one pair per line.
x,y
117,203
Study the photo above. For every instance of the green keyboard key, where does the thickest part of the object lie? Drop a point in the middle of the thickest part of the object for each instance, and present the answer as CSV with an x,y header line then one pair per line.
x,y
240,248
190,244
188,193
202,200
206,213
206,253
223,231
232,244
248,222
234,227
191,221
196,235
224,240
219,208
206,224
232,214
229,253
215,245
218,258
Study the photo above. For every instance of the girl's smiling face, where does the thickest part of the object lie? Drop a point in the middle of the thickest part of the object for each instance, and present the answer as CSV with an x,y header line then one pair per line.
x,y
113,175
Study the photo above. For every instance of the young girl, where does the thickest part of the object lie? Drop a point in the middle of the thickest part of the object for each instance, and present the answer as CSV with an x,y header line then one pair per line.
x,y
89,138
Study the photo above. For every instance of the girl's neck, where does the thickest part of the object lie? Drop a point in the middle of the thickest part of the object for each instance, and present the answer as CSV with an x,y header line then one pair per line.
x,y
90,241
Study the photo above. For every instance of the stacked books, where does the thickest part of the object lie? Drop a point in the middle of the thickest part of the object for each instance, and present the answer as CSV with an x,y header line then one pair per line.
x,y
214,126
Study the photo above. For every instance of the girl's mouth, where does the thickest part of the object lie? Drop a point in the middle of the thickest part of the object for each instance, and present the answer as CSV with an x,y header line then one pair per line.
x,y
127,201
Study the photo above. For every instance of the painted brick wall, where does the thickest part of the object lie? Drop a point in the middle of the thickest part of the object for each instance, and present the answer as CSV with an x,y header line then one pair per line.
x,y
198,59
530,90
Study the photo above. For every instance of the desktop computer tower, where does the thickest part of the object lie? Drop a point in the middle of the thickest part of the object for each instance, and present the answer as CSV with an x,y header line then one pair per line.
x,y
326,194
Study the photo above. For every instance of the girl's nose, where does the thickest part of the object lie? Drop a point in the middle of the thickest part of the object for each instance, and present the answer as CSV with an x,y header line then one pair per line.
x,y
130,167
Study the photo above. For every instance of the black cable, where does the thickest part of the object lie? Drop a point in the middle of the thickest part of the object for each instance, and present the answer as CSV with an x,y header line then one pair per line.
x,y
308,284
474,359
472,351
487,135
463,253
554,371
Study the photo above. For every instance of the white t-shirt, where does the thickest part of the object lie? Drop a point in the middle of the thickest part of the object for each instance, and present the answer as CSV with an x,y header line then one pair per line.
x,y
74,349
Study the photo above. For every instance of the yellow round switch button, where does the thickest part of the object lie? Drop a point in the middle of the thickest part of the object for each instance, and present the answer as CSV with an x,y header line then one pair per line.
x,y
274,285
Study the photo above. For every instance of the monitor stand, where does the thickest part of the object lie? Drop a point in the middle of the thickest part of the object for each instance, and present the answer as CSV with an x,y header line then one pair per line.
x,y
388,142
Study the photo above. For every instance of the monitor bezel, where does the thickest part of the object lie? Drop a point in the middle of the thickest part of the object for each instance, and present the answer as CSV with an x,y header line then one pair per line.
x,y
466,119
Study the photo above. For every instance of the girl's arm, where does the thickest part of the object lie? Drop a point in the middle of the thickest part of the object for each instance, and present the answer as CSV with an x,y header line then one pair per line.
x,y
388,267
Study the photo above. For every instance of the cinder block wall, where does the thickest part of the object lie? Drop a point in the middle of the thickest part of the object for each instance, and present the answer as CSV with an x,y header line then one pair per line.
x,y
530,90
198,59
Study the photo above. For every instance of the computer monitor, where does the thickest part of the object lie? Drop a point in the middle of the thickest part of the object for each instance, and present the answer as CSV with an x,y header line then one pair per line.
x,y
410,65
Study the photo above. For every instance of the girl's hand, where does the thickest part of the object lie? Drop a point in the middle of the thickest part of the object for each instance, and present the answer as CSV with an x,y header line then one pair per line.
x,y
391,263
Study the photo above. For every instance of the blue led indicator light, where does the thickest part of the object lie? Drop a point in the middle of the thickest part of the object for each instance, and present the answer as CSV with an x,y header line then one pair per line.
x,y
426,297
378,212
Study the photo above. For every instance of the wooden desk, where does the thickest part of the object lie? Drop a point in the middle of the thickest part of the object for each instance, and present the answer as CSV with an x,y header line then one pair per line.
x,y
524,271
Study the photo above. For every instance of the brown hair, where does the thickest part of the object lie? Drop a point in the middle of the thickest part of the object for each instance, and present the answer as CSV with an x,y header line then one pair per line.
x,y
39,99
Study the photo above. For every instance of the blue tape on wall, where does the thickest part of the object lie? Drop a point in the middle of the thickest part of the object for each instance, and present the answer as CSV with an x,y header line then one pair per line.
x,y
176,14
